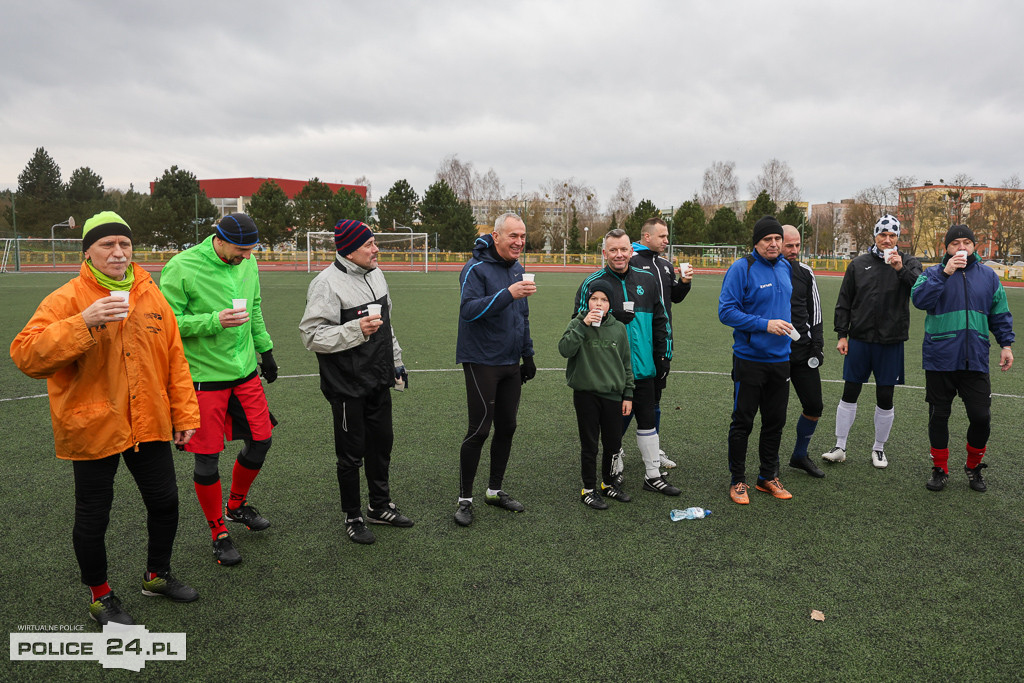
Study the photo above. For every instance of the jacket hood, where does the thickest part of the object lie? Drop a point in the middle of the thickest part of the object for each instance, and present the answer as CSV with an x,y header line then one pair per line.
x,y
484,250
638,247
348,266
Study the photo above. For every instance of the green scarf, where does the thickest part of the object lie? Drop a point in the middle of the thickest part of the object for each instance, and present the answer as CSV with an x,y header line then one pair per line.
x,y
109,282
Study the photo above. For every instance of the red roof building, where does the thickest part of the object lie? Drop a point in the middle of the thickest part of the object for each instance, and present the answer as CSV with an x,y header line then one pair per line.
x,y
233,194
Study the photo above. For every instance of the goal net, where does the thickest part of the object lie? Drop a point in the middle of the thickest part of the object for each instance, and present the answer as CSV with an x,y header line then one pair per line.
x,y
41,254
704,254
398,250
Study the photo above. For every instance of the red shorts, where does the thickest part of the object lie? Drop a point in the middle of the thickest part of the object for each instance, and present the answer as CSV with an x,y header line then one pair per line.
x,y
217,424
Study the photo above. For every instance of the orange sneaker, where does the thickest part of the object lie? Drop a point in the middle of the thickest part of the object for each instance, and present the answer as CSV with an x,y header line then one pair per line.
x,y
774,487
738,493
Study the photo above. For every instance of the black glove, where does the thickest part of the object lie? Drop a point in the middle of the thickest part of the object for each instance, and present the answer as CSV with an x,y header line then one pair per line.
x,y
817,352
664,365
528,370
268,366
624,317
401,376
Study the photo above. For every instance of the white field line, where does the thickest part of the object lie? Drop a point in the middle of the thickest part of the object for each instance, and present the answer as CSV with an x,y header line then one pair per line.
x,y
674,372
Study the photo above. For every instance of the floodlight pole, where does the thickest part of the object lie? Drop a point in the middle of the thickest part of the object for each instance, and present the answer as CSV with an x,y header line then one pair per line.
x,y
69,223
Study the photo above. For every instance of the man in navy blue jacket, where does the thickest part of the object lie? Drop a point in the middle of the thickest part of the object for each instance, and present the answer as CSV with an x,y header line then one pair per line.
x,y
494,334
755,302
965,301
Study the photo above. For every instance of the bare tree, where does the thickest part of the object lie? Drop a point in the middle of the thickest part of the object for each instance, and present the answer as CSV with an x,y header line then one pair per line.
x,y
959,195
622,202
458,175
571,198
859,220
365,182
720,186
776,179
1000,219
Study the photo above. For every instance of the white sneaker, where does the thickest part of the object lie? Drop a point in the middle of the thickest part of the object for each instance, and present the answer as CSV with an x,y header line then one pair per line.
x,y
617,466
878,459
836,454
665,462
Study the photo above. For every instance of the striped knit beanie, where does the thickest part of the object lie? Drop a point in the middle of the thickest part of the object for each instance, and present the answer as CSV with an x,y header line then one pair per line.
x,y
349,235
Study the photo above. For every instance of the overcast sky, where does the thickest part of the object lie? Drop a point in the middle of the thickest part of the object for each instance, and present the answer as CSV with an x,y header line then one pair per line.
x,y
849,93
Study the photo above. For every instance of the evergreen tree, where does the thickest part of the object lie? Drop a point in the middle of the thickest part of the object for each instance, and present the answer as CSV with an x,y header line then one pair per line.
x,y
399,206
689,223
347,204
85,195
40,201
793,215
310,210
644,210
137,210
270,210
763,206
451,219
725,228
574,234
182,212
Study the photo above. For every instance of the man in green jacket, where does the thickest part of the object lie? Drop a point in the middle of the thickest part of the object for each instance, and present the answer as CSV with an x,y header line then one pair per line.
x,y
214,290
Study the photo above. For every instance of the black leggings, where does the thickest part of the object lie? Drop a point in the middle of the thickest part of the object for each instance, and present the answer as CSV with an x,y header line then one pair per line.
x,y
597,416
883,395
492,396
153,469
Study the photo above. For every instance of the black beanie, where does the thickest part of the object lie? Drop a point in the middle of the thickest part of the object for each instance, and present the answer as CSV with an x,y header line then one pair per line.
x,y
955,232
599,286
766,226
238,229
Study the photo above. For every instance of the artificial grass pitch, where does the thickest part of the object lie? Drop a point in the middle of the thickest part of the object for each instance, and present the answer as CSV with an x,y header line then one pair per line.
x,y
913,584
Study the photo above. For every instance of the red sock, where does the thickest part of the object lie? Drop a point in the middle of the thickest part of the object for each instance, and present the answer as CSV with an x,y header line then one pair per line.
x,y
99,591
940,458
150,576
241,479
974,456
211,497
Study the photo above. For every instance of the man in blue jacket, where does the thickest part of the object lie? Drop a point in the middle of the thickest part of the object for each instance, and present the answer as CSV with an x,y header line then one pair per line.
x,y
755,302
494,334
964,301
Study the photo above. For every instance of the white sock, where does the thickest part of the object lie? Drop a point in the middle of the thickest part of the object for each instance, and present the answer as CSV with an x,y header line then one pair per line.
x,y
586,491
470,499
493,492
846,413
883,425
649,444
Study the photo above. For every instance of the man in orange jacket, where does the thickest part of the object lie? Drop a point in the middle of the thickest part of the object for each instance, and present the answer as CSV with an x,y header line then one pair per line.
x,y
108,345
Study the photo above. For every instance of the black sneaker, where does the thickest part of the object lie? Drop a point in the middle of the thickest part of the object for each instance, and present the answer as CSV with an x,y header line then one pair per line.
x,y
247,515
593,500
389,515
615,493
807,466
659,485
618,480
166,585
107,609
464,515
358,532
224,551
503,500
974,479
937,482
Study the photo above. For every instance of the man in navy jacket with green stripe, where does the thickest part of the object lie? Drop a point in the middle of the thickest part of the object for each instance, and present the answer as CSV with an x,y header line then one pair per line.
x,y
755,302
965,301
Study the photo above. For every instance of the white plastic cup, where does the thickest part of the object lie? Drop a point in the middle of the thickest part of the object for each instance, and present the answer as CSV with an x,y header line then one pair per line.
x,y
596,323
120,294
682,269
372,309
793,334
240,303
627,306
962,252
528,277
887,254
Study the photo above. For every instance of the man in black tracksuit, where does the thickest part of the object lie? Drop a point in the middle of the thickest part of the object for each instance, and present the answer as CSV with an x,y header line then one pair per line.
x,y
647,256
805,354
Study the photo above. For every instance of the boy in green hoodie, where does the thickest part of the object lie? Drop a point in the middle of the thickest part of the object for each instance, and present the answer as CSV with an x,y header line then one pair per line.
x,y
600,373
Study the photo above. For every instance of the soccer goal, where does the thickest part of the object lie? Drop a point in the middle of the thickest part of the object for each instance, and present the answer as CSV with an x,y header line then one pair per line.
x,y
41,254
704,254
398,250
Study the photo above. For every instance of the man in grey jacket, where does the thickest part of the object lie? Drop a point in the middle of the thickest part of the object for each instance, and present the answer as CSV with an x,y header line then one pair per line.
x,y
347,323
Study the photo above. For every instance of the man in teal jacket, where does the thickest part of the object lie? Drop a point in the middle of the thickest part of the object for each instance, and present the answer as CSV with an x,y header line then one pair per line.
x,y
214,290
965,302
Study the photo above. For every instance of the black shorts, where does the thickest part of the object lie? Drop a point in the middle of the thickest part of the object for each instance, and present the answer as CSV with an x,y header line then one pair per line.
x,y
942,387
